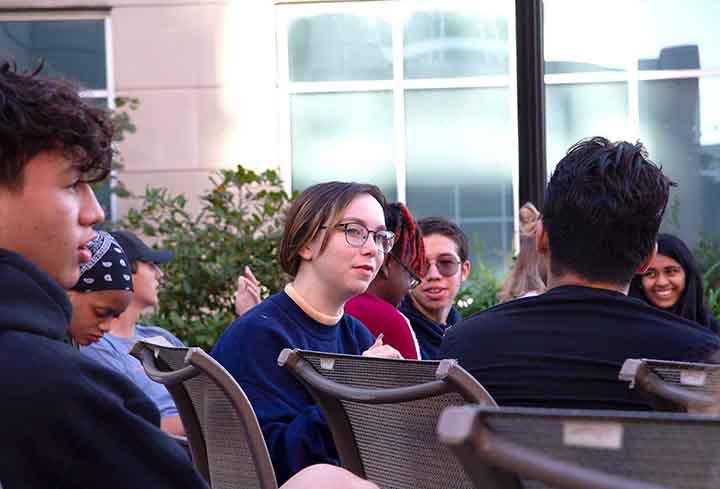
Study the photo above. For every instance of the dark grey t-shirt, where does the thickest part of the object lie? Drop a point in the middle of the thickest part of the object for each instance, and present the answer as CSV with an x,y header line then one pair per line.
x,y
564,348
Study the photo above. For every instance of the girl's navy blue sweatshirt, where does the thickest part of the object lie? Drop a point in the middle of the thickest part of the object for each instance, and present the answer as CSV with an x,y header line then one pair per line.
x,y
295,431
67,421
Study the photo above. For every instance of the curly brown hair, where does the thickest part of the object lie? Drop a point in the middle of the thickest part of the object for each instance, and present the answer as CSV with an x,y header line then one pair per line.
x,y
46,114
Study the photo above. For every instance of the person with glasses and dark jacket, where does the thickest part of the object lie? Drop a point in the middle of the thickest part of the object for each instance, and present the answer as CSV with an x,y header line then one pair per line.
x,y
399,273
334,242
431,305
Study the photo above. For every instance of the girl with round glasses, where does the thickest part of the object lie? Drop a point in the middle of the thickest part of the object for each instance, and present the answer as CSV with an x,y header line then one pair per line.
x,y
334,243
674,283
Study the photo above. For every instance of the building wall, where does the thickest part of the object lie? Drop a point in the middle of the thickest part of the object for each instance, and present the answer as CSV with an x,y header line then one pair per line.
x,y
204,72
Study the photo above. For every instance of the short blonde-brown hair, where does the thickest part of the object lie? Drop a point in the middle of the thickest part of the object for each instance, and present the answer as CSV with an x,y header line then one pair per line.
x,y
529,272
320,205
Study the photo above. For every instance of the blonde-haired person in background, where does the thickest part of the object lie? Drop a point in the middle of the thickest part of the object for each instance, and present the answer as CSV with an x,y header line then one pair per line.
x,y
529,272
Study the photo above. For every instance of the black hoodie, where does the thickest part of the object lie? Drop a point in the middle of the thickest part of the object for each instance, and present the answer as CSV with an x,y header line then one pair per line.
x,y
65,420
428,332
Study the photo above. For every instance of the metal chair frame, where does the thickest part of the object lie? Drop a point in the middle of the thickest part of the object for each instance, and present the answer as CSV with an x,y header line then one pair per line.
x,y
493,462
449,378
641,374
196,362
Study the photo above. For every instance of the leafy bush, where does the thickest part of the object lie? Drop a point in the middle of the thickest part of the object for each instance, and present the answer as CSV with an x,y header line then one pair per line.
x,y
707,255
123,126
240,223
479,291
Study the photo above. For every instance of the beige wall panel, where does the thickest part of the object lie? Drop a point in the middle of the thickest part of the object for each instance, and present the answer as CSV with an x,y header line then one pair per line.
x,y
167,46
23,4
155,3
167,131
242,118
191,184
237,129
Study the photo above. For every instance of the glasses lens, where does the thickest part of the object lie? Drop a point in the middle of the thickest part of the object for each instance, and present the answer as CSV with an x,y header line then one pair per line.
x,y
447,268
355,234
384,240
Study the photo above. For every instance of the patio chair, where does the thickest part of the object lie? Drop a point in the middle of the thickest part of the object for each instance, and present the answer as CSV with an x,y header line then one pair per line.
x,y
383,412
225,440
678,386
513,448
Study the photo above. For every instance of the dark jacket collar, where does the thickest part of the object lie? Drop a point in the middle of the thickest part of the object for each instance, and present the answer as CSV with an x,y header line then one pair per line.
x,y
429,333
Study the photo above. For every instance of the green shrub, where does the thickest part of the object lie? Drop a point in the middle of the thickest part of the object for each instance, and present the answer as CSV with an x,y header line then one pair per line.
x,y
479,291
707,255
239,223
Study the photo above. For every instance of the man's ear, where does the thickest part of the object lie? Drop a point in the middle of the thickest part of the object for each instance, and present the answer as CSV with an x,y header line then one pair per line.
x,y
646,264
542,242
465,270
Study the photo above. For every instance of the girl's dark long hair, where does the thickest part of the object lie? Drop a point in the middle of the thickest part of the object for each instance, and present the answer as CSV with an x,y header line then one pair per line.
x,y
691,304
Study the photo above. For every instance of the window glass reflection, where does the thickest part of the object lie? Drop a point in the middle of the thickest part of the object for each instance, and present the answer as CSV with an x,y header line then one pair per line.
x,y
340,47
447,44
460,152
577,111
74,49
678,36
343,136
680,124
577,40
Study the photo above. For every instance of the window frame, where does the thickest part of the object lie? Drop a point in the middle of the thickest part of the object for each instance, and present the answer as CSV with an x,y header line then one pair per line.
x,y
394,11
110,91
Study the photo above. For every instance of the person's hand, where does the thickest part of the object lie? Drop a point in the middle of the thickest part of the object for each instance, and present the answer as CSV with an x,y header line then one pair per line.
x,y
247,294
378,350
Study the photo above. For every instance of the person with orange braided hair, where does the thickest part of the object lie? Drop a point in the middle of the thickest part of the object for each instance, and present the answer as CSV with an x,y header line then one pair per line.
x,y
377,307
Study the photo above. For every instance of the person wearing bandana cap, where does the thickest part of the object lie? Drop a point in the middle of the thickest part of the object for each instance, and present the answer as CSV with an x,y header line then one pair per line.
x,y
123,330
103,291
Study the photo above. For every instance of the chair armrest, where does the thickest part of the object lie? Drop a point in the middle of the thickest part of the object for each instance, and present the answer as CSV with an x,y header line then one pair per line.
x,y
146,356
471,389
472,442
304,370
639,374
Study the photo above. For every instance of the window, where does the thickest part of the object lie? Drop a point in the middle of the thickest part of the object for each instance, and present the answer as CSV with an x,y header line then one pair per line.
x,y
74,45
415,97
647,70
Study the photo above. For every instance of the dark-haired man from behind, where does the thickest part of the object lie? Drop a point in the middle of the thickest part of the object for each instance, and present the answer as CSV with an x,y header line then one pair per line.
x,y
564,348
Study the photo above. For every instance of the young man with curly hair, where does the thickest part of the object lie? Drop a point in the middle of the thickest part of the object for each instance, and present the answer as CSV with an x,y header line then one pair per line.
x,y
67,421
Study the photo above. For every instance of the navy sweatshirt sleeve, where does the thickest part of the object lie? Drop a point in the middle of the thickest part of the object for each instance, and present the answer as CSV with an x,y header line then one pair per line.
x,y
294,428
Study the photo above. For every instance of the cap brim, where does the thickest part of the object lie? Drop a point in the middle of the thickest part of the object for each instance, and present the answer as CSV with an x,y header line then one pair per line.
x,y
159,256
